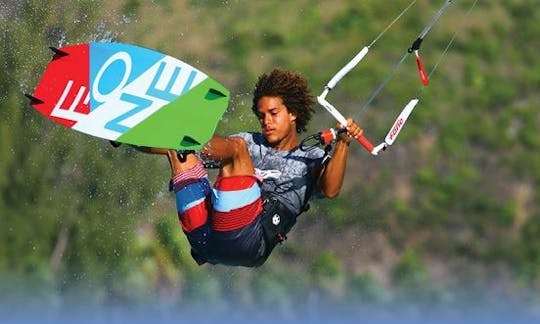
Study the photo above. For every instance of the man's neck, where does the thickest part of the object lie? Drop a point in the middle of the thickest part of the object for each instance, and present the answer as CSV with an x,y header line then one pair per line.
x,y
287,144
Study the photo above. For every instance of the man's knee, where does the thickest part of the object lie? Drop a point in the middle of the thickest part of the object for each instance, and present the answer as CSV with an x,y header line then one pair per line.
x,y
240,148
240,162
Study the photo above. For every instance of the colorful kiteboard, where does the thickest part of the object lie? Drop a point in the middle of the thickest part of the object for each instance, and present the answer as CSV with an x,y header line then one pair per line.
x,y
130,94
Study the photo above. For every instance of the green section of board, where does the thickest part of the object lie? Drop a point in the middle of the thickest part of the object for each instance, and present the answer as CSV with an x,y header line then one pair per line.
x,y
186,123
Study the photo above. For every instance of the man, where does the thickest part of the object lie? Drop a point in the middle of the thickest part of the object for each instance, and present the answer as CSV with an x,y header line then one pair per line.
x,y
265,180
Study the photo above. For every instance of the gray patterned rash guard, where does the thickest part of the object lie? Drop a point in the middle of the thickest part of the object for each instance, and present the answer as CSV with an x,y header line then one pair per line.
x,y
289,176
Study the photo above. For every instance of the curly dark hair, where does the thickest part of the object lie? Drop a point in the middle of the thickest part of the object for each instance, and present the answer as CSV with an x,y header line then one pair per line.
x,y
292,88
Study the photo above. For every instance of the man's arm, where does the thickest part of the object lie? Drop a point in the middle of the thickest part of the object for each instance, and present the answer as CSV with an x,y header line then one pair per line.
x,y
332,175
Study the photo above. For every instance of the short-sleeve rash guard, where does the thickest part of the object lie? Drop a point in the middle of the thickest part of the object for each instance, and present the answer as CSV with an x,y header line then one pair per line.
x,y
289,176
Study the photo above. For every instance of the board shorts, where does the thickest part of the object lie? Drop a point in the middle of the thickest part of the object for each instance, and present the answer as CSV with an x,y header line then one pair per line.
x,y
223,222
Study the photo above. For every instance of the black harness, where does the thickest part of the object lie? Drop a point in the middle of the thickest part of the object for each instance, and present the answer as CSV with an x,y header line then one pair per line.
x,y
277,220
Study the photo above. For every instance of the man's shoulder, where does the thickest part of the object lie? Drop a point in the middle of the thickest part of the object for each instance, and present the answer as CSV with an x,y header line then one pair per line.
x,y
250,137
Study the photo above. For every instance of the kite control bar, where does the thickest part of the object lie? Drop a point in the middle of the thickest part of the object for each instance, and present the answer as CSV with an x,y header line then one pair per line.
x,y
339,117
396,127
346,69
407,110
325,137
332,83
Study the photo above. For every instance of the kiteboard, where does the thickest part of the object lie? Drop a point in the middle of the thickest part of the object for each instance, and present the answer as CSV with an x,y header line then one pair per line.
x,y
130,94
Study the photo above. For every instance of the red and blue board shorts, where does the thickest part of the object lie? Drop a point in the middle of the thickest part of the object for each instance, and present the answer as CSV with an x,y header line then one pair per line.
x,y
223,223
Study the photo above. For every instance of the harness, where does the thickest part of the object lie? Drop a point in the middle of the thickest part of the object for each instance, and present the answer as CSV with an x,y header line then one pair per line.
x,y
276,219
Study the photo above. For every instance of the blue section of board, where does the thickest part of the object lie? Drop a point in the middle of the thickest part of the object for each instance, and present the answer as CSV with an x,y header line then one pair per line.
x,y
125,63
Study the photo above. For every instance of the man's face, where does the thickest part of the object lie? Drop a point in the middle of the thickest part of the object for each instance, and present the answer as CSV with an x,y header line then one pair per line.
x,y
277,123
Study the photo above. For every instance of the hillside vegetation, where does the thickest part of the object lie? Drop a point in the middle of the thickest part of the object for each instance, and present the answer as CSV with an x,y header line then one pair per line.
x,y
449,214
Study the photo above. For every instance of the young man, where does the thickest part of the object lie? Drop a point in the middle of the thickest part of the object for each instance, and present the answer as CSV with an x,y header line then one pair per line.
x,y
265,180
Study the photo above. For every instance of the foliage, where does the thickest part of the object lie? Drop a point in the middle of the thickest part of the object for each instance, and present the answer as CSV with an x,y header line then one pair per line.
x,y
454,201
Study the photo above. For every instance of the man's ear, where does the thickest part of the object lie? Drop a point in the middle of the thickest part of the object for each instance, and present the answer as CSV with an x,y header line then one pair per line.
x,y
293,115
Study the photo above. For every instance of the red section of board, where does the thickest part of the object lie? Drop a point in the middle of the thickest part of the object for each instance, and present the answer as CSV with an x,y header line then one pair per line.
x,y
65,85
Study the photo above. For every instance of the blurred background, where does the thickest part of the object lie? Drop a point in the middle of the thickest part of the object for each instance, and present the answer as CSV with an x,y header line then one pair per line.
x,y
444,225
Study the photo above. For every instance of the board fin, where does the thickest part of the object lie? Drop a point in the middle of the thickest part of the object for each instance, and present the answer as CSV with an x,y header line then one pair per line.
x,y
213,94
58,53
115,144
189,141
33,100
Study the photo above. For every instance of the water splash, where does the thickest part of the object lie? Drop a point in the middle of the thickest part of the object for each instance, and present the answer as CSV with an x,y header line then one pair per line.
x,y
103,34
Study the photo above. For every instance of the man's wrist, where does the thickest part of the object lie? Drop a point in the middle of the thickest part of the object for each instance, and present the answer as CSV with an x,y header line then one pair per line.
x,y
344,138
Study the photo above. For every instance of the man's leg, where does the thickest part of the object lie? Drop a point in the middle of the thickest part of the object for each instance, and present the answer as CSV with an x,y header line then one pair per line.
x,y
235,188
193,193
233,154
234,202
236,198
